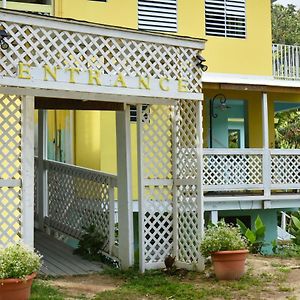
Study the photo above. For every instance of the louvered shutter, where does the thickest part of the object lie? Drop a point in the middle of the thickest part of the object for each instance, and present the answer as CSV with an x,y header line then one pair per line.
x,y
225,18
158,15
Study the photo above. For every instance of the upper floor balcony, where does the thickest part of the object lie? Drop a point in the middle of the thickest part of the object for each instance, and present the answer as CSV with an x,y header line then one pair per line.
x,y
286,62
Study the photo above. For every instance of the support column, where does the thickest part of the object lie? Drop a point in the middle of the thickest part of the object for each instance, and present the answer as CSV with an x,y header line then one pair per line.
x,y
214,216
28,170
124,188
266,150
42,188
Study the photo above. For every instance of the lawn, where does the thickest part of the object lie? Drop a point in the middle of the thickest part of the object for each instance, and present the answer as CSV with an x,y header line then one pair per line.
x,y
266,278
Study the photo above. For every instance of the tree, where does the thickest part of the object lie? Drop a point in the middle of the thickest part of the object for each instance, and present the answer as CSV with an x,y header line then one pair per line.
x,y
287,129
285,24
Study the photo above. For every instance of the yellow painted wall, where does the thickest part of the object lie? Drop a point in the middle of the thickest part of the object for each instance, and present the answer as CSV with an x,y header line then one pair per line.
x,y
113,12
252,55
88,139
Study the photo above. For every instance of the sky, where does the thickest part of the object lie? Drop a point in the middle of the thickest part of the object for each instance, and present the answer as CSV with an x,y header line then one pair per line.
x,y
285,2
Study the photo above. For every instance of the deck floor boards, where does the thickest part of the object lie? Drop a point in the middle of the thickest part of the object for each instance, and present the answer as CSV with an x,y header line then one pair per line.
x,y
59,260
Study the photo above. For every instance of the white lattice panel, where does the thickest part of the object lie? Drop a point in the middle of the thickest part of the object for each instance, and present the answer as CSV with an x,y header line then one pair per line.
x,y
158,221
188,220
157,211
285,169
187,191
232,169
78,198
41,45
10,169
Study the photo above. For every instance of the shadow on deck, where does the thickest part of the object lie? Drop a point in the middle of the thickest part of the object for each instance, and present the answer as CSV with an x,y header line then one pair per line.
x,y
59,260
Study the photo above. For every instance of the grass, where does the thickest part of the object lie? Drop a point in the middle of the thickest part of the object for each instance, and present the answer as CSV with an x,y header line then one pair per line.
x,y
41,290
157,285
191,286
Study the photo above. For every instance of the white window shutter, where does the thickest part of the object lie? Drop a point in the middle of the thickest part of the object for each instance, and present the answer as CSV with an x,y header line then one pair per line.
x,y
157,15
225,18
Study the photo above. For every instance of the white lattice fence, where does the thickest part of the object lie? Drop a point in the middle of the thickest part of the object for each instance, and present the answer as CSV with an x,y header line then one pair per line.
x,y
156,207
232,169
285,166
10,170
79,198
188,180
170,210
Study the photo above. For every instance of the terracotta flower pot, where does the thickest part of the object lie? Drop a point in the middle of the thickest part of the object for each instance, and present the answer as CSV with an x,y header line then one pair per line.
x,y
16,289
229,265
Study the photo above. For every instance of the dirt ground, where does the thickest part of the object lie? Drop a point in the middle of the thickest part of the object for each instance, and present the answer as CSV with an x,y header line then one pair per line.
x,y
289,288
87,286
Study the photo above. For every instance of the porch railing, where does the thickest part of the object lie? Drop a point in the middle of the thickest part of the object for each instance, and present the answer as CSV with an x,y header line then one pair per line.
x,y
286,61
80,197
251,169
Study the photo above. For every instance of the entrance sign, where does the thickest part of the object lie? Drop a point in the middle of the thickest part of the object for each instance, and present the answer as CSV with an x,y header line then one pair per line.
x,y
98,81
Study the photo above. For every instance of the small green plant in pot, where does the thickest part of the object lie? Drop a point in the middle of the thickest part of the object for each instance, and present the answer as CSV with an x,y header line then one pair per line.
x,y
18,267
227,248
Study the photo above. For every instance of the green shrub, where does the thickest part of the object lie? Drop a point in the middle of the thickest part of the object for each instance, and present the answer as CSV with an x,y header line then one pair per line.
x,y
255,237
17,261
221,237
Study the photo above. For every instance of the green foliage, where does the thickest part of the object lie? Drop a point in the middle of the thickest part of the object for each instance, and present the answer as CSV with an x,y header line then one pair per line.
x,y
221,237
287,129
91,243
17,261
294,228
41,290
285,24
254,237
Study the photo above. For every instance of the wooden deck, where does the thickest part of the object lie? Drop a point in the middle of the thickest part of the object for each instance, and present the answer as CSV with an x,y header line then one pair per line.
x,y
59,259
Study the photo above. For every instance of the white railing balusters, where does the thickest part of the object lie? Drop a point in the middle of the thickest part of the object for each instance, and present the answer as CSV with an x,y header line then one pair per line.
x,y
286,61
251,169
80,197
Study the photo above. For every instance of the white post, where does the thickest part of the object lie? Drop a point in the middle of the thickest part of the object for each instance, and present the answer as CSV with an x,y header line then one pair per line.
x,y
28,170
214,217
42,188
141,188
200,194
3,3
175,187
111,217
124,188
266,151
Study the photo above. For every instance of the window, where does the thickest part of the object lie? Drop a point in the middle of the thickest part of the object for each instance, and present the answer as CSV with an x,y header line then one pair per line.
x,y
225,18
157,15
133,113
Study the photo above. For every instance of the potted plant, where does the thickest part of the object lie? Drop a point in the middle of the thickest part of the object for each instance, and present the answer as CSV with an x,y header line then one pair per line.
x,y
227,248
18,268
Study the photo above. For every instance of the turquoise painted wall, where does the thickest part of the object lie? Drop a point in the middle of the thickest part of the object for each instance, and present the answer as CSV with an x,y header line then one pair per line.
x,y
269,218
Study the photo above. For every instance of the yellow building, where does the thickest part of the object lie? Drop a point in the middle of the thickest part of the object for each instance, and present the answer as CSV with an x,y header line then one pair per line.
x,y
248,80
244,75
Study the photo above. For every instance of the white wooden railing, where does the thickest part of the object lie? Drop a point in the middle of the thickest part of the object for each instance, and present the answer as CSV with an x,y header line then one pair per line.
x,y
77,198
286,61
251,169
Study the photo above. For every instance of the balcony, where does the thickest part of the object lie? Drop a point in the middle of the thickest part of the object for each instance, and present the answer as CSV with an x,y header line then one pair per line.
x,y
286,62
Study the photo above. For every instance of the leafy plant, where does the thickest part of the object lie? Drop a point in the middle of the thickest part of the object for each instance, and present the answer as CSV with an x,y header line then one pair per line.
x,y
221,237
294,228
255,237
18,261
91,243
